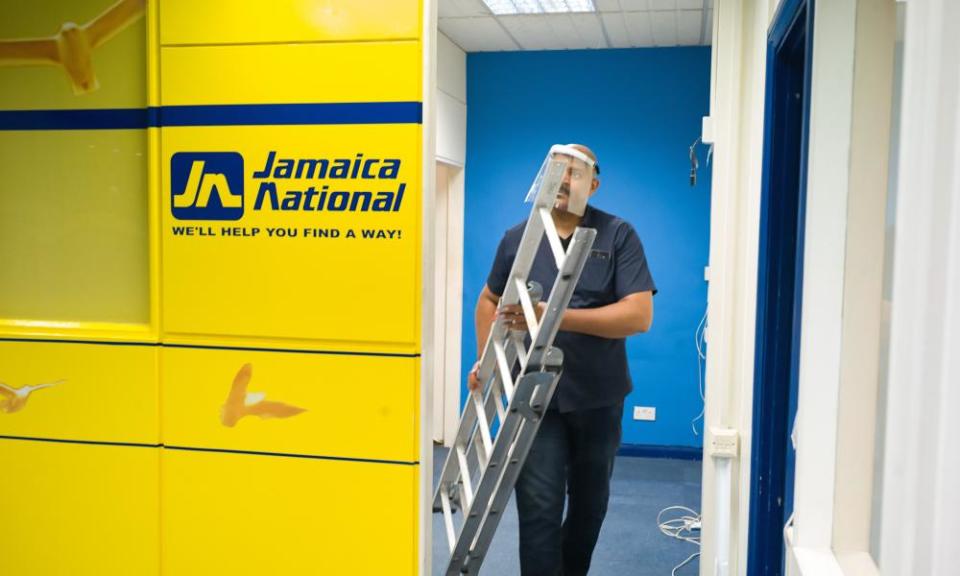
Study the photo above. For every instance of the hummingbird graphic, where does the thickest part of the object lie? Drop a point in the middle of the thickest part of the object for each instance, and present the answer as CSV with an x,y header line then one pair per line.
x,y
241,403
14,399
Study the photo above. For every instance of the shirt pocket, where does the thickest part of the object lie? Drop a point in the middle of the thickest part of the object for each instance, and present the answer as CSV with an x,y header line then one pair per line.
x,y
597,275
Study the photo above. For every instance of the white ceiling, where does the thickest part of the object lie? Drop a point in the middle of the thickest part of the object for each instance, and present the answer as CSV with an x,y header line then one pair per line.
x,y
616,24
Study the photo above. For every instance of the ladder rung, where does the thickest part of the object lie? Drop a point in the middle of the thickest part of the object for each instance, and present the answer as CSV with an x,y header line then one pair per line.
x,y
553,237
466,497
497,391
503,365
483,455
521,349
484,425
448,519
529,312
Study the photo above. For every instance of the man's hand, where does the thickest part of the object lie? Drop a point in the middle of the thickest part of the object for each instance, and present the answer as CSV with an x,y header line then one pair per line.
x,y
514,318
473,378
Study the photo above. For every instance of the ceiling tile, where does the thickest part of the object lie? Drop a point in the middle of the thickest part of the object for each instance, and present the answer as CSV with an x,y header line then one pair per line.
x,y
532,32
590,31
664,28
635,5
638,26
690,4
663,4
482,34
563,31
607,5
688,27
462,8
617,30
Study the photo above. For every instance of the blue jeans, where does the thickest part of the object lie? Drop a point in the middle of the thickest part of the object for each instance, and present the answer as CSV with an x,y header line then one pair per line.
x,y
572,456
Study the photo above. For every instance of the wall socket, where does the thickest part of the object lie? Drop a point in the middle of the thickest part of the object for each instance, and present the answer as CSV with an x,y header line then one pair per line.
x,y
644,413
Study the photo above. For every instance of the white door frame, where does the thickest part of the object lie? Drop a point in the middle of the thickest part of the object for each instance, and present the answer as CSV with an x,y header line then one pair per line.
x,y
448,286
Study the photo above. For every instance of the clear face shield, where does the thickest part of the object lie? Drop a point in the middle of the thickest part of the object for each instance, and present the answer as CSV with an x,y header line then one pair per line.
x,y
577,180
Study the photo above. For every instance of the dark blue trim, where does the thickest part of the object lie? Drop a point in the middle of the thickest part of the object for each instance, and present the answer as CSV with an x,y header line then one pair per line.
x,y
295,351
212,347
217,450
331,113
784,21
292,114
101,119
779,282
86,442
64,341
288,455
654,451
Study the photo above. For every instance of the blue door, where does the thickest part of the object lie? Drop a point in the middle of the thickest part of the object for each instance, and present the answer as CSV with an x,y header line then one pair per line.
x,y
780,281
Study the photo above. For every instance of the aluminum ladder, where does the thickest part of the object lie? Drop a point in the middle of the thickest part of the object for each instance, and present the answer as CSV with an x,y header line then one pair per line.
x,y
501,417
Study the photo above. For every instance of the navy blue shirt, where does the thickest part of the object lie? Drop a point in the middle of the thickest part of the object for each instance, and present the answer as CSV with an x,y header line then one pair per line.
x,y
595,372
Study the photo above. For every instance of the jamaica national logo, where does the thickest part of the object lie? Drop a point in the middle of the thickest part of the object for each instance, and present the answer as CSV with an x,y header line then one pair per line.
x,y
206,185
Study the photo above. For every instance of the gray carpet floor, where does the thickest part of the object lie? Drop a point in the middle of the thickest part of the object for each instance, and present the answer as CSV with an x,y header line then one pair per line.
x,y
630,543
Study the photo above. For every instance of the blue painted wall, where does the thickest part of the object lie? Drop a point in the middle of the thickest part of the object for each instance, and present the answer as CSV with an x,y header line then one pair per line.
x,y
639,109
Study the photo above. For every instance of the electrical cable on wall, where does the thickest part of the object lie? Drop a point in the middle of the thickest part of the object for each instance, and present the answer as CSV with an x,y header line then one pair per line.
x,y
694,162
685,528
700,340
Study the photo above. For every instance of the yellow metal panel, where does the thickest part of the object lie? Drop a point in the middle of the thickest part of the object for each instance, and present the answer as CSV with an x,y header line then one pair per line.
x,y
76,202
319,404
358,294
285,73
79,510
101,393
226,22
242,515
50,59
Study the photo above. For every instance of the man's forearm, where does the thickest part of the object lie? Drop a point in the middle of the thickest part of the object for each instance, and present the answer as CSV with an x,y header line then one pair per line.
x,y
484,316
617,320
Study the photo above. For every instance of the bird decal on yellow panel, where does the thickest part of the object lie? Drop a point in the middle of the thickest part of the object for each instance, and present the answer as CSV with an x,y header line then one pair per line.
x,y
241,403
72,47
14,399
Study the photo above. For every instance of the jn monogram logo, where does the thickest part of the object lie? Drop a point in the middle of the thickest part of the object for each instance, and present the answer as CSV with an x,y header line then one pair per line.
x,y
206,185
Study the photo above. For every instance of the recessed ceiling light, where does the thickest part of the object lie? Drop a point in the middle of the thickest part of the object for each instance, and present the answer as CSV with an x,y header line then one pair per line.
x,y
500,7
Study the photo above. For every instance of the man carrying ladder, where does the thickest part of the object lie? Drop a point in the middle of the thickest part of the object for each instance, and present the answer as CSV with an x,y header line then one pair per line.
x,y
573,439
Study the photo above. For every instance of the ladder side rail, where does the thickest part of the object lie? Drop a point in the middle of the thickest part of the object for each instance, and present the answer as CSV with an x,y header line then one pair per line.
x,y
520,448
491,476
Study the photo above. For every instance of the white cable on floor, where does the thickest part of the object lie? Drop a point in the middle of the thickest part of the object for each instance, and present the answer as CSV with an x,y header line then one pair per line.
x,y
685,528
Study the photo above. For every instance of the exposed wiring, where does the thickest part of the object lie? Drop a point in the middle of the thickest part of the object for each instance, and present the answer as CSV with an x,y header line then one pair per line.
x,y
700,341
694,162
685,528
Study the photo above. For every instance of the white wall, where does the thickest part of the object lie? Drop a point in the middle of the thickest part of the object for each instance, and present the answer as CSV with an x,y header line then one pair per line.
x,y
451,102
447,219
